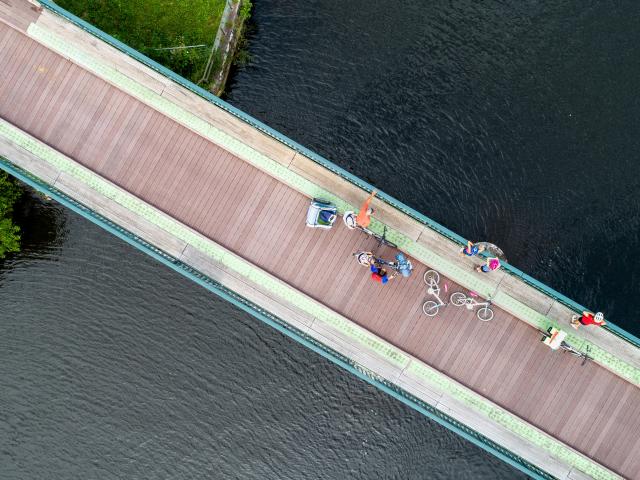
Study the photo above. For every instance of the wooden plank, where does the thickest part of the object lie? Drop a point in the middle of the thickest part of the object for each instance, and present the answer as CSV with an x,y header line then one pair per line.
x,y
151,149
167,183
203,183
610,394
68,115
9,77
155,134
579,420
36,122
73,140
224,173
228,197
111,128
56,120
119,129
21,93
120,158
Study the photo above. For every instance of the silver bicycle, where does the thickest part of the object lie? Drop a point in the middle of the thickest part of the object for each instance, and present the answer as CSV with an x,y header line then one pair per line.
x,y
460,299
349,219
569,348
432,280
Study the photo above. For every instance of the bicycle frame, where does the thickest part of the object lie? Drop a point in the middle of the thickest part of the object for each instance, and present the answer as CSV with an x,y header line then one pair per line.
x,y
434,290
351,224
430,307
472,302
484,313
404,269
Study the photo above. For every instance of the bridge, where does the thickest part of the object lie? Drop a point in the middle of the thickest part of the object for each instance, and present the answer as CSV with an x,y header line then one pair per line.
x,y
221,198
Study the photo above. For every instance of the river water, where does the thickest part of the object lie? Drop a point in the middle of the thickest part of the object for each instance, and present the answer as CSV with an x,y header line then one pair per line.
x,y
506,122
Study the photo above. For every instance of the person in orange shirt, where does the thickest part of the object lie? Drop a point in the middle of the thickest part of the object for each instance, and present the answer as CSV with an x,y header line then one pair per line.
x,y
364,215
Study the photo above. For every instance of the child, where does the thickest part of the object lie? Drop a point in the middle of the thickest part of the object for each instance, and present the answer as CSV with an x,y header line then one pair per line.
x,y
380,274
492,264
471,250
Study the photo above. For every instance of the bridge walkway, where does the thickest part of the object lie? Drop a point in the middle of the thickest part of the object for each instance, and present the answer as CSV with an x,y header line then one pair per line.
x,y
261,219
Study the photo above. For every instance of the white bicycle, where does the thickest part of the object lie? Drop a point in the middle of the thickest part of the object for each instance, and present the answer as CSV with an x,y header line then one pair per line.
x,y
432,280
484,313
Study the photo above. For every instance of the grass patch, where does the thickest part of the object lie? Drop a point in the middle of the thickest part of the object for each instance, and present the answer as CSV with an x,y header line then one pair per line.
x,y
146,25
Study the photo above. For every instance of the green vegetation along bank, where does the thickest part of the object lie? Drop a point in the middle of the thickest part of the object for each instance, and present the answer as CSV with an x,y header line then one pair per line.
x,y
161,29
9,233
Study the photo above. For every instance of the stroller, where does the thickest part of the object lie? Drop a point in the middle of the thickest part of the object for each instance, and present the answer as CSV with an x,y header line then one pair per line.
x,y
321,214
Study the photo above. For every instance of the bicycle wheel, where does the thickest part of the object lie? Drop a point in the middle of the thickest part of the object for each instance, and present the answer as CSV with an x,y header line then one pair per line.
x,y
431,276
458,299
430,308
485,314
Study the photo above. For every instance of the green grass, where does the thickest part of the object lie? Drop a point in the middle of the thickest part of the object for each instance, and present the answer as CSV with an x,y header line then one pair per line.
x,y
148,24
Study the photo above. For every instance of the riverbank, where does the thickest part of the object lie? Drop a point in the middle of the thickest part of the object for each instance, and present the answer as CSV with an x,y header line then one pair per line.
x,y
195,39
228,46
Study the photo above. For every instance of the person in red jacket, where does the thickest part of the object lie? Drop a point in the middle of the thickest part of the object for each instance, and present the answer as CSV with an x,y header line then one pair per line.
x,y
588,318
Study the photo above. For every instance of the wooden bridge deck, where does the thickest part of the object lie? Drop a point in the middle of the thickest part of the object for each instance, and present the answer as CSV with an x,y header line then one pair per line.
x,y
255,216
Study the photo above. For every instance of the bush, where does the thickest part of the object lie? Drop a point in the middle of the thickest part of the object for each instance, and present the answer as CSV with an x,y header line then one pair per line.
x,y
245,10
9,233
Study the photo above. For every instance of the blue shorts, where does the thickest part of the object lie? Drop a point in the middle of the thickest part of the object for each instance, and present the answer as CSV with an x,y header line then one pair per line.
x,y
485,268
474,251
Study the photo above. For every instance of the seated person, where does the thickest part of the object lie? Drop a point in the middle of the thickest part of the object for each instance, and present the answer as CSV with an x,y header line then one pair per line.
x,y
379,274
471,250
492,264
588,318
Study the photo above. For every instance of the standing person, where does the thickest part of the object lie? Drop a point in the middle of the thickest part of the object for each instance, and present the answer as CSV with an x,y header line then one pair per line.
x,y
364,215
471,250
588,318
493,263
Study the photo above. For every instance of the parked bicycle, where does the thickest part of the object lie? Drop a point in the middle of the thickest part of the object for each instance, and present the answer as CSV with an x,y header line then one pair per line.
x,y
401,265
460,299
349,219
432,280
568,348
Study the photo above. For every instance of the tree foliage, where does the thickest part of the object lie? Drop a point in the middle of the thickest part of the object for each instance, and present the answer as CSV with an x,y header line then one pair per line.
x,y
245,10
9,233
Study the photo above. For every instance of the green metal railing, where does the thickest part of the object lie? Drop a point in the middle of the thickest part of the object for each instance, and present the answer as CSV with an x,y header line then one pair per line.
x,y
298,335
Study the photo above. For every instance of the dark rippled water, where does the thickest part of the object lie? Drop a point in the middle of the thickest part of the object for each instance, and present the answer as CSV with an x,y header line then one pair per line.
x,y
512,123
